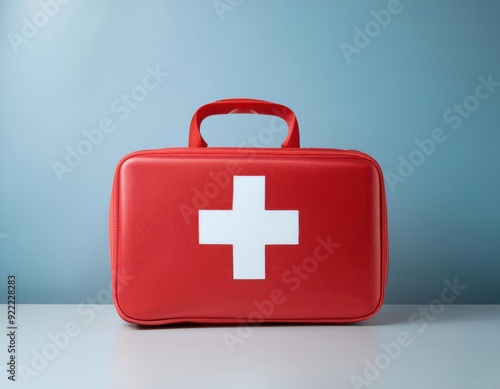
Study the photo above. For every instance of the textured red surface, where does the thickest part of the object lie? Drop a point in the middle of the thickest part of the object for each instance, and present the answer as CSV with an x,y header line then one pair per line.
x,y
163,275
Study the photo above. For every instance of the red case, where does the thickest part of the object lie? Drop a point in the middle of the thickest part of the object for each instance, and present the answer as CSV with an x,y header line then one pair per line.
x,y
235,235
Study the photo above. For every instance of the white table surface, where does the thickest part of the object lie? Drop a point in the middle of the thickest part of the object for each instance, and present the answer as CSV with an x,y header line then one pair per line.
x,y
456,348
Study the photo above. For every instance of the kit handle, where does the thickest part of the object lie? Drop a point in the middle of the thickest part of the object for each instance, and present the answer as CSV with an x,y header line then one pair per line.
x,y
230,106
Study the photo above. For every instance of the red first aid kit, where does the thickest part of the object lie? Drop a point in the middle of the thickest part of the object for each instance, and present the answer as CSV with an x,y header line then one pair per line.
x,y
235,235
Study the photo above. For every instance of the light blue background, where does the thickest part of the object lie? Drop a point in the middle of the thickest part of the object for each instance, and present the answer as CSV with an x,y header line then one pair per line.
x,y
444,219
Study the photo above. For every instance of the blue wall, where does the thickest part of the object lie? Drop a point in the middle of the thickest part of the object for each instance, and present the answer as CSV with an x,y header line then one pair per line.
x,y
376,76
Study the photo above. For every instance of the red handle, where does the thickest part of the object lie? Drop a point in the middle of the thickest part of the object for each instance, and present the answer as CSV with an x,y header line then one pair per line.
x,y
229,106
